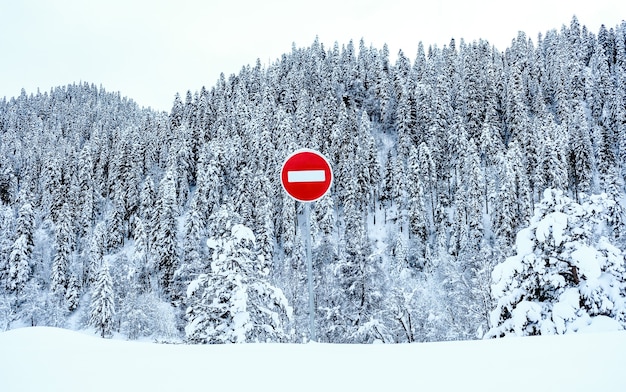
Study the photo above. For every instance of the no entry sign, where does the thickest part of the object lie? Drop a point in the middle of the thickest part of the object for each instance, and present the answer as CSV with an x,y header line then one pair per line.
x,y
306,175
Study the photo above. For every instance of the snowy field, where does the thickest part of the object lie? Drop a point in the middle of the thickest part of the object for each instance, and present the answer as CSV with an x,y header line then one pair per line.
x,y
49,359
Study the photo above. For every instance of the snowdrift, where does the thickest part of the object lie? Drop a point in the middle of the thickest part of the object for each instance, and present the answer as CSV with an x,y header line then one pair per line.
x,y
49,359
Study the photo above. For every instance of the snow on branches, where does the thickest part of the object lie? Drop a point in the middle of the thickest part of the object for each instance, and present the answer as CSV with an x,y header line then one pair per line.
x,y
566,275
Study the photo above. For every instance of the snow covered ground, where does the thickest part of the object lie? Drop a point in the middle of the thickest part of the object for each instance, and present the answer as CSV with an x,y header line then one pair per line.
x,y
49,359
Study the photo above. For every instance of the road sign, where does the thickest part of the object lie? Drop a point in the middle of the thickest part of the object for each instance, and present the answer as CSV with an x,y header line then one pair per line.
x,y
306,175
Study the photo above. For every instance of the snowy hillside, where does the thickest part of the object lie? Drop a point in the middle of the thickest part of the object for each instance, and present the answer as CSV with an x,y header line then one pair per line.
x,y
476,192
49,359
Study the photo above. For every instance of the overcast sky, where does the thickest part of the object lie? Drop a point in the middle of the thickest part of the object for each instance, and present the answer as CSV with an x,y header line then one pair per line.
x,y
151,49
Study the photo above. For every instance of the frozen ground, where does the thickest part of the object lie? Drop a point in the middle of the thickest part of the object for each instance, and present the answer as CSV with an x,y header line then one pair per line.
x,y
49,359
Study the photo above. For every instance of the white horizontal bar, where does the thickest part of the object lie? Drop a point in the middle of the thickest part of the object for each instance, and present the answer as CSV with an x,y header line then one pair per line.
x,y
306,176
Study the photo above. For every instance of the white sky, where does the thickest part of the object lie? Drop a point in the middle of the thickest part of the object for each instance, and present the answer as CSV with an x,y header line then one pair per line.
x,y
151,49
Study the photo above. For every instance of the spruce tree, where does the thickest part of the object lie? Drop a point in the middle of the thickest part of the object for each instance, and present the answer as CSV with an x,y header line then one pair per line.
x,y
64,249
580,153
18,266
166,248
233,302
565,275
102,306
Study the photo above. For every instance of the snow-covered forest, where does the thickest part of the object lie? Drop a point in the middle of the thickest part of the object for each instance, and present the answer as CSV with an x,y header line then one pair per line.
x,y
477,193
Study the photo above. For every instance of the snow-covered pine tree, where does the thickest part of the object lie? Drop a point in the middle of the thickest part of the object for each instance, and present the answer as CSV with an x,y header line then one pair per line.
x,y
26,226
7,222
566,276
388,181
149,213
428,172
473,187
94,254
234,302
287,224
102,307
87,197
418,224
264,219
166,246
504,217
116,224
18,265
64,248
193,255
580,153
72,294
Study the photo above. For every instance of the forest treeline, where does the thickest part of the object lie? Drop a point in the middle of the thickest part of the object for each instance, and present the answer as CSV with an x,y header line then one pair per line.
x,y
174,226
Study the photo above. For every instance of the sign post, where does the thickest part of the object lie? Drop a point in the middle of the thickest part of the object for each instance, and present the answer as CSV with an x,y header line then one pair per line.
x,y
306,176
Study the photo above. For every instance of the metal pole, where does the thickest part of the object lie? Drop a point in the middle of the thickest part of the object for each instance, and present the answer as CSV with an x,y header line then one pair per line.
x,y
309,267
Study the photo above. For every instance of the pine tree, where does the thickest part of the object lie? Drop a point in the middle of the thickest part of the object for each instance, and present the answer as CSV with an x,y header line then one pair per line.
x,y
325,213
580,154
64,250
387,189
264,219
26,226
193,254
194,231
504,219
87,196
418,226
95,254
102,307
566,273
405,123
116,224
166,243
287,224
18,267
234,301
473,197
428,172
148,211
72,294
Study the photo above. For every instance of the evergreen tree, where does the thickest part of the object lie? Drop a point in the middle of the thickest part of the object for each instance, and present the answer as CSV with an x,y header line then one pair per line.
x,y
387,189
95,254
148,211
428,172
566,273
141,256
72,294
287,224
166,244
418,226
87,200
234,301
474,197
102,307
580,154
116,224
18,267
26,226
64,250
505,215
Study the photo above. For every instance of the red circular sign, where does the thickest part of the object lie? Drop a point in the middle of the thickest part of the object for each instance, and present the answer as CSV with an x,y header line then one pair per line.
x,y
306,175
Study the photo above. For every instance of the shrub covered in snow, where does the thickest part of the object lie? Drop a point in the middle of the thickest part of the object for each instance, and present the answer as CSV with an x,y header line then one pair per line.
x,y
566,275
